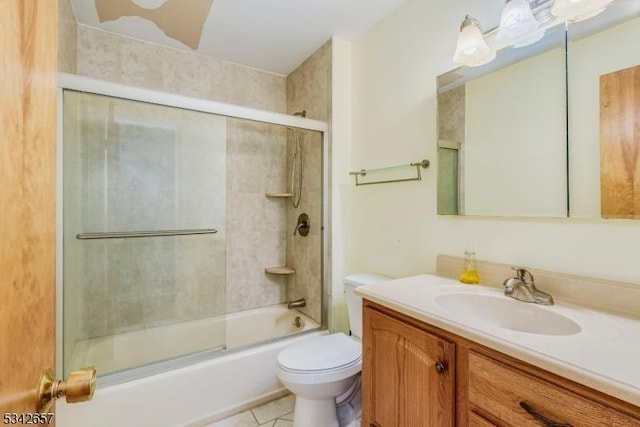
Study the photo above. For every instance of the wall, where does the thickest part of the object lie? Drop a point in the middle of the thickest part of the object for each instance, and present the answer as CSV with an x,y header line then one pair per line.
x,y
341,183
255,152
67,37
309,89
256,225
394,227
116,58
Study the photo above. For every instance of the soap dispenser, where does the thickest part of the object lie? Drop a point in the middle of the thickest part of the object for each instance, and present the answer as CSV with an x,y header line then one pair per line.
x,y
469,273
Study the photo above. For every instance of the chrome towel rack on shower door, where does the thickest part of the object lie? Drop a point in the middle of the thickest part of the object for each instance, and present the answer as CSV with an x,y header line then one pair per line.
x,y
423,164
158,233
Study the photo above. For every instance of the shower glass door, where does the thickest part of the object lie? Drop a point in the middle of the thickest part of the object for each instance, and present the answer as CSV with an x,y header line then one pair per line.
x,y
144,258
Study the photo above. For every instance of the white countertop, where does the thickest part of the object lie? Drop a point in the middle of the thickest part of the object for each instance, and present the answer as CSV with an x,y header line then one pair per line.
x,y
603,355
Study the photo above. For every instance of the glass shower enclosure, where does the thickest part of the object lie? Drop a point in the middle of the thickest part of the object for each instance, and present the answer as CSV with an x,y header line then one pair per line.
x,y
149,204
144,230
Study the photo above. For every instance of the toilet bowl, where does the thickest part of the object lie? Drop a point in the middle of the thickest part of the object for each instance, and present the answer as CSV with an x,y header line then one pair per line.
x,y
320,369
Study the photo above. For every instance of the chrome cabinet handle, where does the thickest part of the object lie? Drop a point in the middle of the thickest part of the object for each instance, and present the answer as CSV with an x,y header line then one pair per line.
x,y
544,420
440,367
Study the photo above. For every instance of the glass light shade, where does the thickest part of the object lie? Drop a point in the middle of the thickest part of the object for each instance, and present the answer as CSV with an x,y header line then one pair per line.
x,y
579,9
472,50
590,14
517,21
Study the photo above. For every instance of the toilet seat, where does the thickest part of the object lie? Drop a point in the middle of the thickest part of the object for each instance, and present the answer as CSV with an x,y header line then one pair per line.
x,y
346,366
319,377
320,360
324,353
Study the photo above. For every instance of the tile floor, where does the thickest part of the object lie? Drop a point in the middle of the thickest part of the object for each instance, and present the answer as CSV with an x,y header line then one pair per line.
x,y
278,413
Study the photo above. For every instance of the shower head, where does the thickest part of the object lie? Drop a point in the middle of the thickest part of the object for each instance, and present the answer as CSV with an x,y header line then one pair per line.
x,y
302,113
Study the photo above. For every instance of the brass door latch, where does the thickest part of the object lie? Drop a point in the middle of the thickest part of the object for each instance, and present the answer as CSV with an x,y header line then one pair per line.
x,y
79,387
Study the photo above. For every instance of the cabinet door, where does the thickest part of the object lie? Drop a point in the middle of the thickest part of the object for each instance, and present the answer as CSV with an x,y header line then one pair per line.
x,y
407,375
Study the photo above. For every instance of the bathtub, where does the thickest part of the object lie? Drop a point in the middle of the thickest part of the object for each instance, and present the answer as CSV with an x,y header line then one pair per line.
x,y
213,386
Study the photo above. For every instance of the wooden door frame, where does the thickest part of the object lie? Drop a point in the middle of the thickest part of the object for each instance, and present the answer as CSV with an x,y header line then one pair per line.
x,y
27,197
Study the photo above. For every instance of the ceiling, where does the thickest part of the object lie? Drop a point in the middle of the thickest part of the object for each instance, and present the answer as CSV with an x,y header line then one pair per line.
x,y
271,35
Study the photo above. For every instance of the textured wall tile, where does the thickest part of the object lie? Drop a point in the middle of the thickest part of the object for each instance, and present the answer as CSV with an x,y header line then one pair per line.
x,y
257,88
244,281
309,85
67,45
98,54
67,37
112,57
309,89
140,67
255,224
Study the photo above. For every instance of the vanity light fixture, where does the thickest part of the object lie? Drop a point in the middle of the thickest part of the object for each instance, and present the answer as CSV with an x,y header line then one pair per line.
x,y
578,10
472,49
522,23
517,23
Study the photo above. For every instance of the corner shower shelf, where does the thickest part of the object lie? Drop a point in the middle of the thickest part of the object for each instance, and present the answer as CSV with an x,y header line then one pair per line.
x,y
280,270
284,195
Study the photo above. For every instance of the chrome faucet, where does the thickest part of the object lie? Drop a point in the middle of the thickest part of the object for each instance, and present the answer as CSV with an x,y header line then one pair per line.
x,y
299,303
523,288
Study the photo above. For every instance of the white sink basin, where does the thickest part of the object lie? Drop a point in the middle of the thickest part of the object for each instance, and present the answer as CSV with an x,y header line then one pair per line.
x,y
504,312
488,311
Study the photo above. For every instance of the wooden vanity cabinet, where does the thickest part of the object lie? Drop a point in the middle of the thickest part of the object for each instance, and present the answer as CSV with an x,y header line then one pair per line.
x,y
403,384
407,375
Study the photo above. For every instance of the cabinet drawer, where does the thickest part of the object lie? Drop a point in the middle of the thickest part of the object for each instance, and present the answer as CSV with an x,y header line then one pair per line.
x,y
517,398
476,420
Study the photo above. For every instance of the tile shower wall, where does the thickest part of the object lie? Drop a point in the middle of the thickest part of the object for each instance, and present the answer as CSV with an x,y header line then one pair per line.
x,y
116,58
309,89
256,226
67,37
255,152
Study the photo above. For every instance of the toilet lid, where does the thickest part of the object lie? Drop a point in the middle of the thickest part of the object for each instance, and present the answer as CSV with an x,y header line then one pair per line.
x,y
321,353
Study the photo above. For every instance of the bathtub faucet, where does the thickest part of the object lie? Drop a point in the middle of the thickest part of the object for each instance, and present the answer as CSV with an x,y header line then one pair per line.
x,y
297,303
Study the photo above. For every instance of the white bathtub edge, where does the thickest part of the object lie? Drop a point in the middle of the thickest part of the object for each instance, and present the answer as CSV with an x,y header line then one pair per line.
x,y
212,389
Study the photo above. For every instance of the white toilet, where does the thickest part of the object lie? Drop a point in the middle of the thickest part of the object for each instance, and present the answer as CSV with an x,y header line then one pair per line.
x,y
320,369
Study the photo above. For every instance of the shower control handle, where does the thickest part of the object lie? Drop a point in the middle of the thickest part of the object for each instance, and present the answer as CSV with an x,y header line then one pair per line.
x,y
303,225
300,227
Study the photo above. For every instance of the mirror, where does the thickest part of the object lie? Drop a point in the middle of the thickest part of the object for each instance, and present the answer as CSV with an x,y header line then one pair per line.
x,y
604,113
502,144
502,127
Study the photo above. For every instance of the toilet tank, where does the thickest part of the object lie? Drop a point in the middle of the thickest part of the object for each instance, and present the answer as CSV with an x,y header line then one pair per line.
x,y
354,302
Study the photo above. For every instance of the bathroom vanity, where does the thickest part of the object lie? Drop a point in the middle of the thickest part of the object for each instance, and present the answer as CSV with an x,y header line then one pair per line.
x,y
427,363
